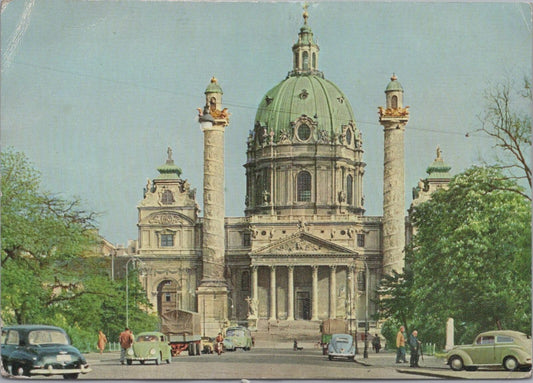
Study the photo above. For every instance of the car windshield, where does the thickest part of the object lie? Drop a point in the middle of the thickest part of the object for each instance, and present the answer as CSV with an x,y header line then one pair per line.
x,y
235,333
147,338
39,337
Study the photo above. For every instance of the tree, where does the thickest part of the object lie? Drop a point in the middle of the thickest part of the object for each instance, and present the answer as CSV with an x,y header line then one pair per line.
x,y
50,274
471,257
507,120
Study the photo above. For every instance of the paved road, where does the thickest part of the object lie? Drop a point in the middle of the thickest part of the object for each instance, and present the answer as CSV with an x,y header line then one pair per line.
x,y
279,361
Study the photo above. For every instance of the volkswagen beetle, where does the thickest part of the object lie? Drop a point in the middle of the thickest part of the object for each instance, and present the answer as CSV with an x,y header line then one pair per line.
x,y
31,350
237,337
510,349
149,346
341,346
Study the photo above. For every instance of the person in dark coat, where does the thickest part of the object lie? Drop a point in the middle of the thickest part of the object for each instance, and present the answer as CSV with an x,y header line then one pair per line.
x,y
376,343
414,346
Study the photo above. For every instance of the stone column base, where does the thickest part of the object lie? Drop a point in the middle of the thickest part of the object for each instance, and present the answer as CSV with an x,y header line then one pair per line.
x,y
213,309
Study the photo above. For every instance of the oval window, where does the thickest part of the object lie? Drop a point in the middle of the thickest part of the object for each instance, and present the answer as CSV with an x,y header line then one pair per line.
x,y
304,132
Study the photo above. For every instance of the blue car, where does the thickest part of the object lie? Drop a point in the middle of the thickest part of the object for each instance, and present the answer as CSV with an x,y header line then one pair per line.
x,y
39,350
341,346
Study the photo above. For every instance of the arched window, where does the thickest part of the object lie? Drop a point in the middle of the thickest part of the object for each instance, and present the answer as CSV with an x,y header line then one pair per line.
x,y
348,136
304,187
314,60
296,63
394,102
349,189
305,59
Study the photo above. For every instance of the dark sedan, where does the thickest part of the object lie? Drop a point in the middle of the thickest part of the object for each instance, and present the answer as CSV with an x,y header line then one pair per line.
x,y
41,350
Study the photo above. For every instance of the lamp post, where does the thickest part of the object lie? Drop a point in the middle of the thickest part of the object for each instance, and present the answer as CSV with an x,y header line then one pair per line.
x,y
365,353
128,288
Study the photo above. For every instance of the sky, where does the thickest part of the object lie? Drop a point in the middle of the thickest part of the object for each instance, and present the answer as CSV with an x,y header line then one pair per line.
x,y
93,92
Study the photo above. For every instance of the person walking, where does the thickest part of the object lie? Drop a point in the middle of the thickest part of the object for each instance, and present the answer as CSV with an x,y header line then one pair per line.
x,y
126,340
219,343
102,341
400,346
376,343
414,346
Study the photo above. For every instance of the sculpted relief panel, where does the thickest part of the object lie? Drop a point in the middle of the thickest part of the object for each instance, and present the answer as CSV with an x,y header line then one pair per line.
x,y
165,219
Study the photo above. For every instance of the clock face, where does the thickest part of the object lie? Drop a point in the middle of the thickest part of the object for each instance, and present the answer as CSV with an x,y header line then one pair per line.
x,y
304,132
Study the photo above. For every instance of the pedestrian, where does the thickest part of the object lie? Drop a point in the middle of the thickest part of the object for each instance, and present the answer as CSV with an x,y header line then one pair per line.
x,y
414,346
400,346
102,341
219,343
126,340
376,343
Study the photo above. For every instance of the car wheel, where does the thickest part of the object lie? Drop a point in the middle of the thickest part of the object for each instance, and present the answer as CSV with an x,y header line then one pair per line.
x,y
18,370
197,345
129,362
456,363
158,360
70,376
330,357
169,360
510,363
141,361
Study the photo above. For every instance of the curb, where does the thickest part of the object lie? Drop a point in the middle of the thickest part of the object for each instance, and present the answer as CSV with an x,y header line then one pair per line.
x,y
428,373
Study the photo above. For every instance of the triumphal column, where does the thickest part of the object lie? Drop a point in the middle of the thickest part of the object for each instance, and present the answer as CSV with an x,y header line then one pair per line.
x,y
213,291
393,118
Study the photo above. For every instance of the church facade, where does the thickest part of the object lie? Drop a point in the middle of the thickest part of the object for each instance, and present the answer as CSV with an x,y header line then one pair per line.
x,y
304,249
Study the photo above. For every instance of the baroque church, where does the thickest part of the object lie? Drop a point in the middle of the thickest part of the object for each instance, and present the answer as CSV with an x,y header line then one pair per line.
x,y
304,250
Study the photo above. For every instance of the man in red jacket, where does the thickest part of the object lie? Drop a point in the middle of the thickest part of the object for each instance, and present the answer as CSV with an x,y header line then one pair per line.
x,y
126,340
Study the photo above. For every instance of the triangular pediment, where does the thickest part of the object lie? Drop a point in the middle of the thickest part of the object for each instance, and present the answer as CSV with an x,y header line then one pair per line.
x,y
303,243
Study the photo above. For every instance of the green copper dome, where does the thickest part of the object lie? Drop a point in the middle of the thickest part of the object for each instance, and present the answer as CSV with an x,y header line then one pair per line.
x,y
310,95
394,85
169,170
213,87
439,169
305,94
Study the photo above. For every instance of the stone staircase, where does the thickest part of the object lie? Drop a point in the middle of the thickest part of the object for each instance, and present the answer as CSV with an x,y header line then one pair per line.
x,y
283,330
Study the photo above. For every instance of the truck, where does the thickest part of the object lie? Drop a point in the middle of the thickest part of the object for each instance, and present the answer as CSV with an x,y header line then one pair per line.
x,y
183,330
329,327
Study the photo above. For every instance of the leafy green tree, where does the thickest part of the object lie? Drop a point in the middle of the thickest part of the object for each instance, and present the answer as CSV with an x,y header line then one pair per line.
x,y
471,257
50,273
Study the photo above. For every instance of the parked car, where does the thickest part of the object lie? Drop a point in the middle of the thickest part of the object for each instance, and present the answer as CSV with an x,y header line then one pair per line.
x,y
237,337
510,349
341,346
207,344
41,350
149,346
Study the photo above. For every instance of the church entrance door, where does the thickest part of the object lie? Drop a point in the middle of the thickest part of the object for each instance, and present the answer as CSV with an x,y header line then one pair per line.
x,y
303,305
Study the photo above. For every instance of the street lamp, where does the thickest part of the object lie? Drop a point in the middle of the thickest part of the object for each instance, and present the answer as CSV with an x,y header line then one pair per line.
x,y
127,288
365,352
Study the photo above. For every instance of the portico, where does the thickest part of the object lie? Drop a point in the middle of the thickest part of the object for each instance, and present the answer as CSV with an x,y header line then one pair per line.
x,y
303,277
